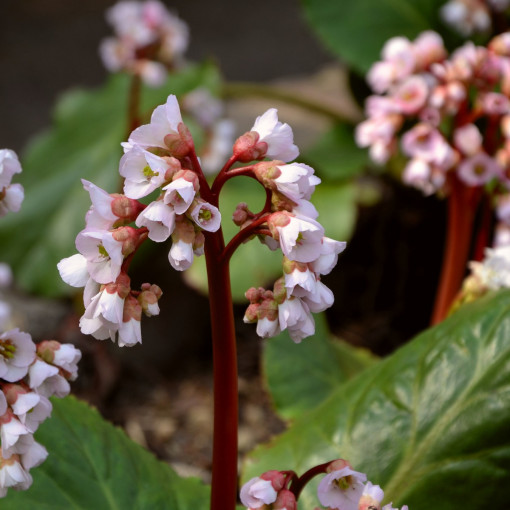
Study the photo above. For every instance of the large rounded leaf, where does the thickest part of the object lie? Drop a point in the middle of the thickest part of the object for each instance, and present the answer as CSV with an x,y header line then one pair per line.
x,y
430,424
301,376
94,465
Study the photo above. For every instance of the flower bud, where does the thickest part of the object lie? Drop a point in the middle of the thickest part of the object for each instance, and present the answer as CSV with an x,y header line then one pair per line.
x,y
248,148
180,144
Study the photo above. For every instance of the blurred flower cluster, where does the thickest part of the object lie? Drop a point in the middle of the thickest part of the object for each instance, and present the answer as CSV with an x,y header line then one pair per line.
x,y
471,16
148,40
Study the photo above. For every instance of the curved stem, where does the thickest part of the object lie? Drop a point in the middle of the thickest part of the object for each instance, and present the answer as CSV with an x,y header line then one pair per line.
x,y
299,483
224,176
238,89
462,204
224,470
242,236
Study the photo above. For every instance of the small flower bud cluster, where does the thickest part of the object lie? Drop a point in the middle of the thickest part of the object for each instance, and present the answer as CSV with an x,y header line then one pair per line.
x,y
157,157
342,488
29,375
438,108
291,225
148,40
11,195
471,16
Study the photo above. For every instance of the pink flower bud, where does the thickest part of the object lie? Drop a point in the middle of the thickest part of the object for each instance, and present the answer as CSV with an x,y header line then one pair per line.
x,y
180,144
248,148
285,501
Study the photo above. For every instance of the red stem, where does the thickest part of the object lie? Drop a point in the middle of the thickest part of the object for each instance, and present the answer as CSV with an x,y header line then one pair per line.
x,y
224,469
299,483
462,204
483,236
241,236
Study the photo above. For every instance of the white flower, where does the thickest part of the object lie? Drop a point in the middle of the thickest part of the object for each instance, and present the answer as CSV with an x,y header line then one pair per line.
x,y
180,193
341,489
67,357
320,299
278,136
267,328
206,216
297,181
181,255
100,216
295,316
130,332
300,239
9,165
73,270
17,352
330,249
12,198
46,380
257,492
103,253
143,172
11,430
159,218
164,121
371,498
13,475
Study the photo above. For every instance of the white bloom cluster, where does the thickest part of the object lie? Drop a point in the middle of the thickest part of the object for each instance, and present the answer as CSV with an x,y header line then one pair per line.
x,y
29,375
11,195
342,488
153,160
293,227
148,40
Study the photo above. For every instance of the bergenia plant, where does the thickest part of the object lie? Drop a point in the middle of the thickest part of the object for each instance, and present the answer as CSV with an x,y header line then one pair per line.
x,y
160,161
450,117
29,373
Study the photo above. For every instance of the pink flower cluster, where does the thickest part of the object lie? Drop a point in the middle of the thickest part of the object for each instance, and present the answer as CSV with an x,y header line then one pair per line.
x,y
29,375
471,16
292,226
148,40
438,108
342,488
11,195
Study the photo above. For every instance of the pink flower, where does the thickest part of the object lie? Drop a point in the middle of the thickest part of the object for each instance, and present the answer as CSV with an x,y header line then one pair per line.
x,y
468,139
206,216
180,193
328,257
295,316
411,95
165,121
9,166
46,380
300,239
257,492
103,253
159,218
278,137
181,255
296,181
73,270
478,169
11,199
342,489
144,172
371,498
17,352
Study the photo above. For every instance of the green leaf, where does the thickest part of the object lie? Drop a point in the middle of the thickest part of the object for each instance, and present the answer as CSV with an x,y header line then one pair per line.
x,y
429,424
85,143
356,31
253,264
300,377
336,156
94,465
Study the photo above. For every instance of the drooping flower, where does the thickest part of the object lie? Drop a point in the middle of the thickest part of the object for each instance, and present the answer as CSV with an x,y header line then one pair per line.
x,y
342,489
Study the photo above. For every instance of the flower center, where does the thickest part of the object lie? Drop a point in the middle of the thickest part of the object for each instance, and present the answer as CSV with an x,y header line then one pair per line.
x,y
205,214
149,173
344,483
7,349
102,251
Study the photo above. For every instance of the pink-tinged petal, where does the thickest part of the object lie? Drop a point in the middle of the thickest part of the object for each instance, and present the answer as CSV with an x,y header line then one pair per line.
x,y
159,218
181,255
34,456
9,165
206,216
278,136
12,200
257,492
180,193
3,403
101,200
73,270
130,333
